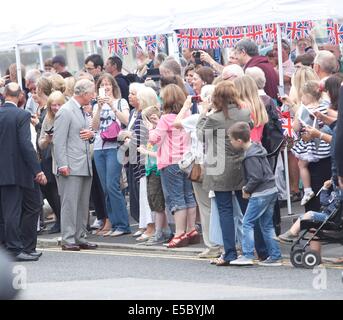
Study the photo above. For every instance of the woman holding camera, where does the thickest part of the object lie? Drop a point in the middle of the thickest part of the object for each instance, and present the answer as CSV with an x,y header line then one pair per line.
x,y
54,103
110,108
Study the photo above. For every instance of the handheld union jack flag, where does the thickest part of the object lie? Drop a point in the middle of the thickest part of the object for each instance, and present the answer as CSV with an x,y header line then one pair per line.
x,y
287,125
255,33
230,36
210,39
151,43
335,32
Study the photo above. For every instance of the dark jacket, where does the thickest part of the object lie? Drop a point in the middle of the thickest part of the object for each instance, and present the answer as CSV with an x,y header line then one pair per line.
x,y
123,84
18,161
272,80
258,173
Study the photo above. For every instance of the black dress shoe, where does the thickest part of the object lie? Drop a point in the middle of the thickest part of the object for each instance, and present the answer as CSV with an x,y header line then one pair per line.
x,y
70,247
88,246
25,257
35,254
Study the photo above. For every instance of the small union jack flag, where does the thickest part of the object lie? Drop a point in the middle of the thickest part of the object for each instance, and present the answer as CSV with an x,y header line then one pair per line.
x,y
255,33
193,36
137,46
113,46
287,125
230,36
298,30
271,32
151,43
210,39
161,41
123,47
335,32
182,39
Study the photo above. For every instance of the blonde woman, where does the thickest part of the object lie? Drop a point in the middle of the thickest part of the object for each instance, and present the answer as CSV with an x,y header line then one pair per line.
x,y
55,101
248,94
146,97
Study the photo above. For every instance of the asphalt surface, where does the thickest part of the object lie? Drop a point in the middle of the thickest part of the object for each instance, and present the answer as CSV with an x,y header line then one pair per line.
x,y
135,276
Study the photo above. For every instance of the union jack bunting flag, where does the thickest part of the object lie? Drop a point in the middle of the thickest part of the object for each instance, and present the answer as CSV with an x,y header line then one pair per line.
x,y
271,32
335,32
194,38
150,43
114,46
161,41
182,39
254,33
230,36
298,30
137,45
210,39
123,47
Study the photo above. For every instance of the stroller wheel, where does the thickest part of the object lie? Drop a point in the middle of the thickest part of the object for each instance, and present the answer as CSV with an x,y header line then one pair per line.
x,y
311,259
296,258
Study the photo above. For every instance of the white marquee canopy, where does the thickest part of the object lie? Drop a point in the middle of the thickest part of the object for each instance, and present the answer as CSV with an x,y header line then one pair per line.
x,y
41,21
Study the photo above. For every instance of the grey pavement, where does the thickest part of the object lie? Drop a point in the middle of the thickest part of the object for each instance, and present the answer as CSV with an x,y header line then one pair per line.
x,y
123,276
127,242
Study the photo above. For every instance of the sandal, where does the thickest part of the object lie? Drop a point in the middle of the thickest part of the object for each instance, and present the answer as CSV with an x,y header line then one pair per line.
x,y
102,232
193,237
222,263
177,242
216,260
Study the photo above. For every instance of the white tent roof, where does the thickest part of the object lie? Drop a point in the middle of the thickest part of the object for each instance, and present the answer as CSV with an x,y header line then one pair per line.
x,y
70,21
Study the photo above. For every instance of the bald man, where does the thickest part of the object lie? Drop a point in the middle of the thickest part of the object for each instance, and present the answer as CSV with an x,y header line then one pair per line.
x,y
19,170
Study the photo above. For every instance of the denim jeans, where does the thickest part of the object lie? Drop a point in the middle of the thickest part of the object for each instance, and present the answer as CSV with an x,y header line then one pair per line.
x,y
260,245
109,171
225,208
177,189
260,211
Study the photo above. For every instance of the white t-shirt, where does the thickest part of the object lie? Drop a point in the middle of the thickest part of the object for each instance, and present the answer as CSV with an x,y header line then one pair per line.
x,y
190,124
107,116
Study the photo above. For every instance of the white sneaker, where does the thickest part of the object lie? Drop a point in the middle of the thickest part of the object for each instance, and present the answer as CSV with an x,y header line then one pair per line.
x,y
97,224
306,198
242,261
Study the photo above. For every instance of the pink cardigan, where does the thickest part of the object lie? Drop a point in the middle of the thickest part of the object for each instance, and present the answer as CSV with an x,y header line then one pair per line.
x,y
172,143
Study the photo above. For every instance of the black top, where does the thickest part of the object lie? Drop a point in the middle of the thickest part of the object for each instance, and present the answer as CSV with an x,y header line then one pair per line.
x,y
18,160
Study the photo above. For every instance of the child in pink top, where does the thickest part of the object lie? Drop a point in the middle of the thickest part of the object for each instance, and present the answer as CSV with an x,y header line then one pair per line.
x,y
172,142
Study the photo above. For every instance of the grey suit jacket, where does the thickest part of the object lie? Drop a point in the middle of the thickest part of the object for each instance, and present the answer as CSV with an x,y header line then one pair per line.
x,y
69,149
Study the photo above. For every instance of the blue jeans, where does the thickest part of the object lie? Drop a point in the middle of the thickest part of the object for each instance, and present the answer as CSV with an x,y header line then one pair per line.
x,y
109,171
260,210
177,189
260,245
225,208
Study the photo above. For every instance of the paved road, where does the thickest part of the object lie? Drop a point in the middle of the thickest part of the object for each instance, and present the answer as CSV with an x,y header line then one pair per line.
x,y
136,276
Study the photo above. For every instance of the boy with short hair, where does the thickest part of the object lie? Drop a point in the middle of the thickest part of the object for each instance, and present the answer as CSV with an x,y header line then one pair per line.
x,y
261,191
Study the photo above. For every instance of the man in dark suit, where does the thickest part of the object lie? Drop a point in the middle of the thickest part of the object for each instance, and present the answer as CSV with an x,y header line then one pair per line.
x,y
19,169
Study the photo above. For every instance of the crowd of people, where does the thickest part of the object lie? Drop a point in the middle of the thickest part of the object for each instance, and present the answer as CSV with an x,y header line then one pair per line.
x,y
183,144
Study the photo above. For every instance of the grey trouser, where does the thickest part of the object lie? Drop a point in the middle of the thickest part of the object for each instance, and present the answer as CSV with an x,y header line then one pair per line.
x,y
74,192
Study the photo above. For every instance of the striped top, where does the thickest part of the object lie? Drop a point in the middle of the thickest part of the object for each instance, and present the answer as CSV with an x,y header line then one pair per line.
x,y
315,149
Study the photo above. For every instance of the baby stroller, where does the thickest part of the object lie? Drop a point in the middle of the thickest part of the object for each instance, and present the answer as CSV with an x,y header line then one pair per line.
x,y
329,231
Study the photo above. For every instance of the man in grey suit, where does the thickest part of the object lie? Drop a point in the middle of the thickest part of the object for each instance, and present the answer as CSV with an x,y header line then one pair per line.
x,y
71,140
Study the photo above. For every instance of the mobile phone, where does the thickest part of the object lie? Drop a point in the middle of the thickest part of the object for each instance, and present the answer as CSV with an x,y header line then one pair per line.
x,y
197,55
102,93
50,131
196,99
